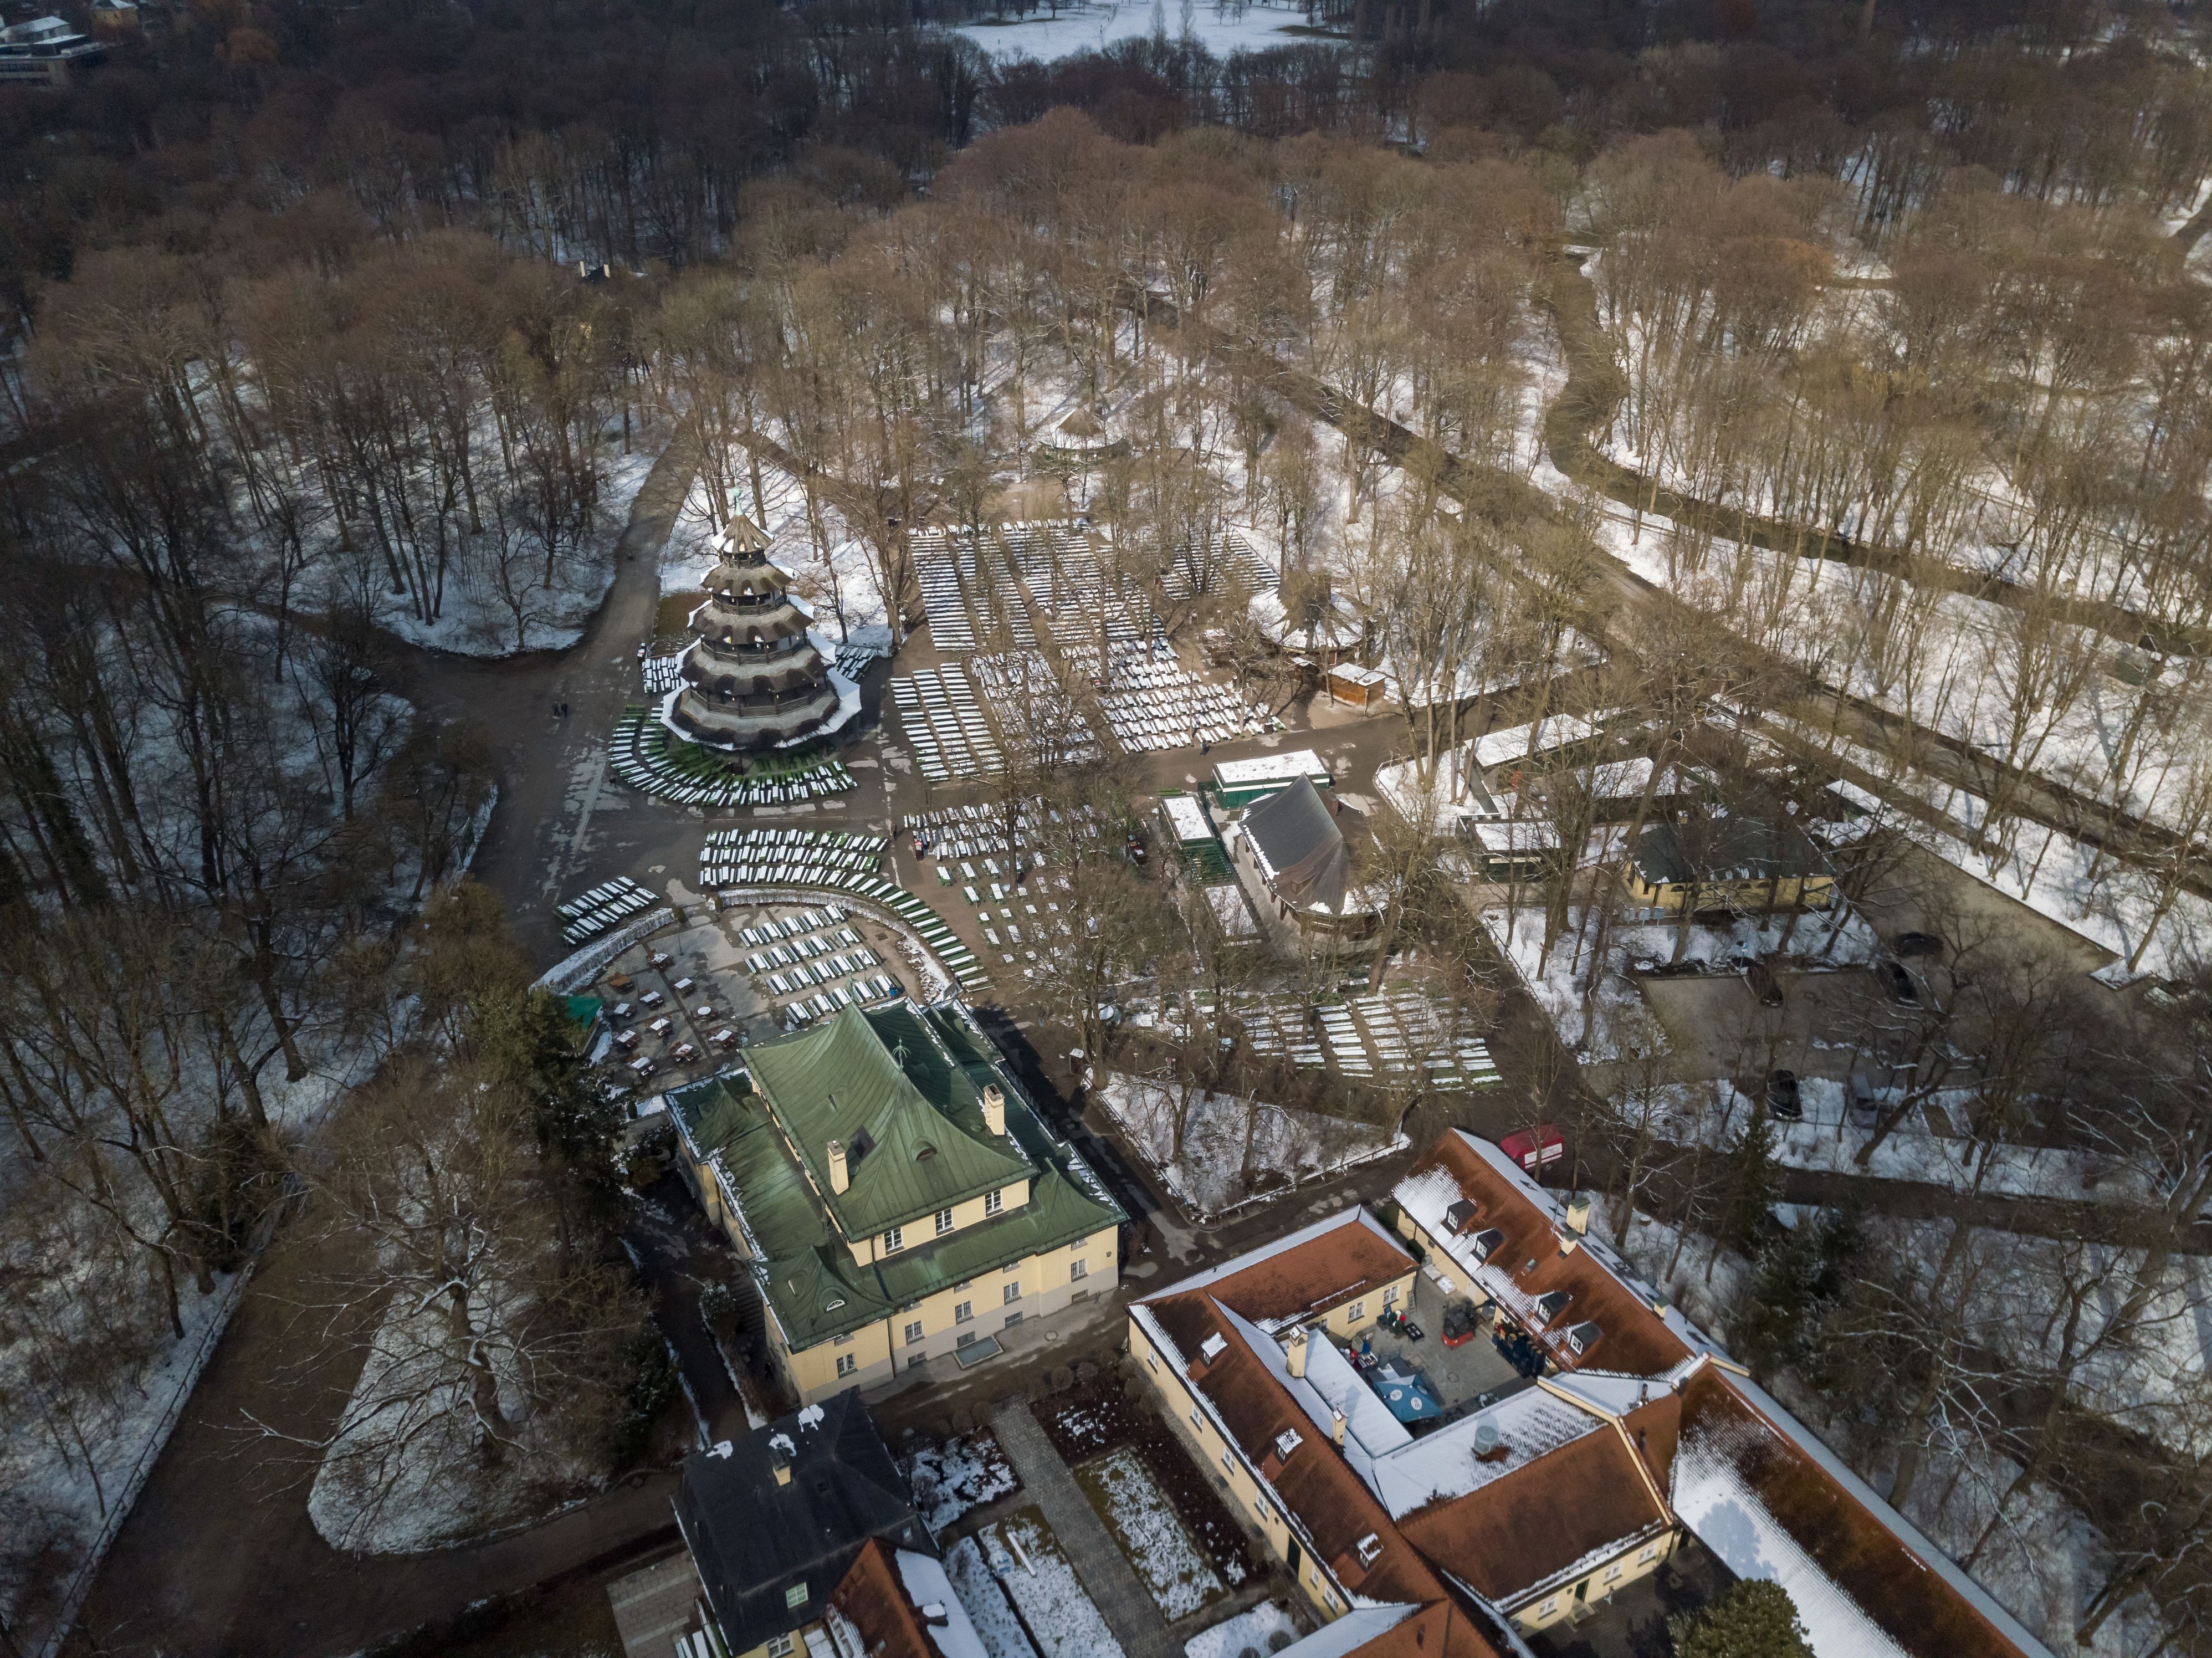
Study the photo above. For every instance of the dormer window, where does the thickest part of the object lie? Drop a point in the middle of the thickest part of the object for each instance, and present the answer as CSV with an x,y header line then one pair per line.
x,y
1369,1549
1213,1347
1583,1336
1552,1304
1486,1244
1286,1441
1461,1215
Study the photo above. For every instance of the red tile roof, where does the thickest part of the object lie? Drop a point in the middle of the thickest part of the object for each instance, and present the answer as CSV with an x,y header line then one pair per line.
x,y
1315,1484
1636,1339
1912,1600
1529,1526
1310,1270
872,1595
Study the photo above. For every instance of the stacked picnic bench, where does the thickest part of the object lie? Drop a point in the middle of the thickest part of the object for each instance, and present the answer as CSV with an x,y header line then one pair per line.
x,y
602,908
773,858
645,754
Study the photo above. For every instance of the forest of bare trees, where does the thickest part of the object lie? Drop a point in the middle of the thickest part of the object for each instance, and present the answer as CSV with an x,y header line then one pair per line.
x,y
1823,381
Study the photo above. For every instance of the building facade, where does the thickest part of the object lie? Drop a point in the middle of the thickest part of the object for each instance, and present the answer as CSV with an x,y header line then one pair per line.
x,y
898,1198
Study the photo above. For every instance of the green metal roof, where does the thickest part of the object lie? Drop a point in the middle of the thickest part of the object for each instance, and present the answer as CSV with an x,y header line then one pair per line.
x,y
802,1264
913,1130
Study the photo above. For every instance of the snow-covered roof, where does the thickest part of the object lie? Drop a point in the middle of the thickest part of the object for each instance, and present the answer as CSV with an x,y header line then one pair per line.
x,y
1271,768
1429,1192
927,1586
1713,1499
1519,742
1443,1465
1349,1633
1186,818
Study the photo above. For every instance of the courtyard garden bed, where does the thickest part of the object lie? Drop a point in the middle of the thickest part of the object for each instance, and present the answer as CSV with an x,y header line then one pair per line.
x,y
959,1477
1165,1557
1086,1422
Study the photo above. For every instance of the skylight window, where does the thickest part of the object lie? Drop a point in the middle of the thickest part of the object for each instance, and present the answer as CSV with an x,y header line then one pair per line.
x,y
1370,1548
1286,1441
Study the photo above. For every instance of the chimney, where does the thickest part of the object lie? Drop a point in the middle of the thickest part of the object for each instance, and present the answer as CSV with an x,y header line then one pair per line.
x,y
839,1179
1578,1213
1297,1351
1336,1425
780,1465
995,1108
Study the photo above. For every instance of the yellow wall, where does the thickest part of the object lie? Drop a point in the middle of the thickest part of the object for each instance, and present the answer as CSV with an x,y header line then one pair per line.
x,y
1817,891
866,1251
1044,1280
1640,1561
1338,1320
1207,1448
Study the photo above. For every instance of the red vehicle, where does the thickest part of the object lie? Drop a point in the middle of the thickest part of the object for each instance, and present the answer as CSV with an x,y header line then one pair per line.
x,y
1533,1148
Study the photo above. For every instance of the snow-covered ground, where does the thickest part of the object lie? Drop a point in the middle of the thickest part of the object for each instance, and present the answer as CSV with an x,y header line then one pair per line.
x,y
478,619
401,1475
63,1497
1256,1629
990,1610
1167,1558
1089,28
1612,1021
1025,1558
1226,1137
948,1480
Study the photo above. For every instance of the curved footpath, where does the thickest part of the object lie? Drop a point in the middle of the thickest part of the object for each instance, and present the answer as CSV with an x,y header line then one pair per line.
x,y
1587,403
218,1554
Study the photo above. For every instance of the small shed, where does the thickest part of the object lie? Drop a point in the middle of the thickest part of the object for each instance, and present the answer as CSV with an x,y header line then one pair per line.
x,y
1240,782
1361,686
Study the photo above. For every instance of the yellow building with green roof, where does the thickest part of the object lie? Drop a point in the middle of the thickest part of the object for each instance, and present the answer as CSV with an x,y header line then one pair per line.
x,y
897,1197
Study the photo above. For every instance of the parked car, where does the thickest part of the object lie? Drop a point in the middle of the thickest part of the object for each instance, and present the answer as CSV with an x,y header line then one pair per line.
x,y
1764,985
1782,1095
1919,944
1898,983
1532,1148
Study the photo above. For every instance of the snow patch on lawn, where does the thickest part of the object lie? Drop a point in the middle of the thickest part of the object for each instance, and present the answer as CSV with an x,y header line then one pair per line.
x,y
950,1480
1226,1134
475,618
1166,1557
987,1603
1253,1629
1023,1555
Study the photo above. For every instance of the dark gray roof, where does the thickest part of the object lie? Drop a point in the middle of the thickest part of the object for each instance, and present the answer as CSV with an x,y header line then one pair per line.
x,y
1303,845
754,1541
1727,849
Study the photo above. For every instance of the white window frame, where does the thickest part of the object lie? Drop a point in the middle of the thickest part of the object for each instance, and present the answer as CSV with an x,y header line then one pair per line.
x,y
779,1646
993,1201
846,1365
944,1222
1011,1293
914,1333
1077,1269
1356,1311
894,1240
963,1311
794,1597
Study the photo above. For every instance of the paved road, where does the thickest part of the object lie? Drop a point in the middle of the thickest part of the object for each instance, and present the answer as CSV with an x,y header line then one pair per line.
x,y
1128,1609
